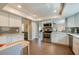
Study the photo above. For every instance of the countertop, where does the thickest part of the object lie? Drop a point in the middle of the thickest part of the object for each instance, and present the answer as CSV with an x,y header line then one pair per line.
x,y
74,34
8,45
10,34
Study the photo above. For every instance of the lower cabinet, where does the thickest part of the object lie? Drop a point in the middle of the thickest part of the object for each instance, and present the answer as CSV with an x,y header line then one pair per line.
x,y
14,50
3,39
60,38
76,45
70,42
17,37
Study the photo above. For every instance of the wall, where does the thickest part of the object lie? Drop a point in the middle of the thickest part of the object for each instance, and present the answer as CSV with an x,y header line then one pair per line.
x,y
27,27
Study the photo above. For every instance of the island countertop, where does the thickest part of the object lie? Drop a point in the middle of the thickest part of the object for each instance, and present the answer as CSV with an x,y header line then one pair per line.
x,y
74,34
12,44
3,34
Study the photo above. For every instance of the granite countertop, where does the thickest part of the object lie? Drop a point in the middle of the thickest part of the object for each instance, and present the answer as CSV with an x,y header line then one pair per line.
x,y
3,34
22,42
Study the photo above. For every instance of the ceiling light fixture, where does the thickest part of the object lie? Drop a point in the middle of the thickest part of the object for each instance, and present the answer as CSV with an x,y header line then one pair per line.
x,y
39,19
54,16
34,15
55,11
19,6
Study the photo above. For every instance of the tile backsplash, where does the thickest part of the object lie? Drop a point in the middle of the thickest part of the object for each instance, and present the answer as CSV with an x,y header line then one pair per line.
x,y
73,29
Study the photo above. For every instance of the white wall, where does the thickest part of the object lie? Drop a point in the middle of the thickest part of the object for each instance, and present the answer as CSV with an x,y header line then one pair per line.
x,y
34,30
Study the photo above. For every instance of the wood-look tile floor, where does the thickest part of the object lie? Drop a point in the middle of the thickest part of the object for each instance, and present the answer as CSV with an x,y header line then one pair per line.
x,y
42,48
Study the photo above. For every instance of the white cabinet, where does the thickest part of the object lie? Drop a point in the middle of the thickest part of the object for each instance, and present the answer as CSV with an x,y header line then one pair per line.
x,y
18,21
70,22
73,21
3,39
76,20
14,21
60,38
11,38
9,20
4,19
76,45
16,37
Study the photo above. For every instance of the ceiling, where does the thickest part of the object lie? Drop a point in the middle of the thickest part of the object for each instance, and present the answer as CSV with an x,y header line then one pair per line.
x,y
70,9
42,11
2,5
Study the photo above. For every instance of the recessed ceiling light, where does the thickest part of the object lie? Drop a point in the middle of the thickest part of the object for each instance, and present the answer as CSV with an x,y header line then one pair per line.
x,y
54,17
34,15
39,19
19,6
55,11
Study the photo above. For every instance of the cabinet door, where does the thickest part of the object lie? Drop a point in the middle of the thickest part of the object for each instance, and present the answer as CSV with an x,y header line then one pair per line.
x,y
76,45
11,21
76,20
4,19
9,38
3,39
18,21
15,21
70,22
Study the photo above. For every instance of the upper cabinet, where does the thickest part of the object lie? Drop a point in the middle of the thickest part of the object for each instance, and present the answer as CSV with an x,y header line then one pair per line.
x,y
76,19
14,21
70,22
4,19
73,21
19,21
10,20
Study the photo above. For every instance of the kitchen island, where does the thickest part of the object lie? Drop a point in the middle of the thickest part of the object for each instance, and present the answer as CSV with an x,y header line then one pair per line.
x,y
10,37
14,48
12,44
74,42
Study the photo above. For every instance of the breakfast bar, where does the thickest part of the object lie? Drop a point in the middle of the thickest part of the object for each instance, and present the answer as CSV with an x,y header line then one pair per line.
x,y
14,48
